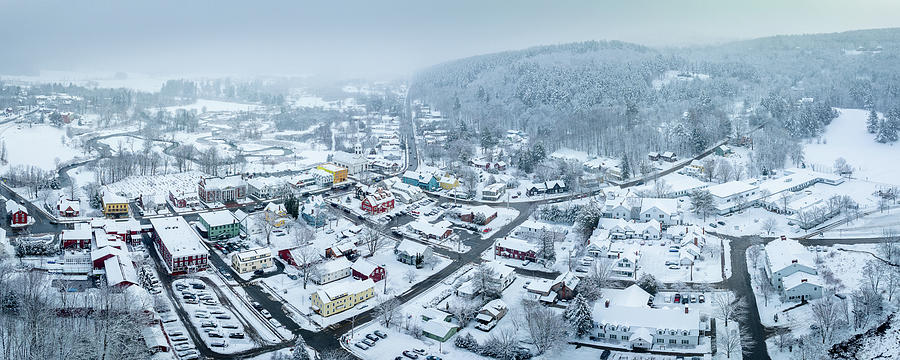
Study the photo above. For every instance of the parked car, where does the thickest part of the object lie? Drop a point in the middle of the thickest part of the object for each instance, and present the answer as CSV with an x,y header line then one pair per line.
x,y
236,335
410,355
229,326
720,222
373,337
432,357
215,334
265,313
368,342
693,298
223,317
713,225
701,299
674,267
380,334
361,346
217,344
677,298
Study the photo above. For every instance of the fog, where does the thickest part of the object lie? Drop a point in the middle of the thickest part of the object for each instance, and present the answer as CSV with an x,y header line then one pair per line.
x,y
375,38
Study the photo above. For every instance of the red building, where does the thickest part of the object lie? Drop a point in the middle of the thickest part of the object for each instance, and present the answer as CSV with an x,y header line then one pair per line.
x,y
179,246
364,270
79,237
68,207
17,214
378,202
516,249
469,215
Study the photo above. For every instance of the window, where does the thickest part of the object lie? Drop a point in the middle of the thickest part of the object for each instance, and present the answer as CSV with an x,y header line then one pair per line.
x,y
660,341
685,342
601,335
672,341
613,337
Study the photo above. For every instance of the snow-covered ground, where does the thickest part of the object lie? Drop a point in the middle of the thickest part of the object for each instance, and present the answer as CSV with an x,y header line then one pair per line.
x,y
213,106
847,137
398,279
43,146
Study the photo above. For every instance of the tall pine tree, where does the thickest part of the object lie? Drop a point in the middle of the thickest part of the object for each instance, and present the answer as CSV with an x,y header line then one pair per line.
x,y
626,167
872,122
578,313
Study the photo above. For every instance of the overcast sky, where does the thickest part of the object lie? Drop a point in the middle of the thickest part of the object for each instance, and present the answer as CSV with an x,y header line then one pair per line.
x,y
379,38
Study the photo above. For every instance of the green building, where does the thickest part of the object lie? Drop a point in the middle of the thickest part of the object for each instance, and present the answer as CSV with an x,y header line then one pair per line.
x,y
439,330
220,224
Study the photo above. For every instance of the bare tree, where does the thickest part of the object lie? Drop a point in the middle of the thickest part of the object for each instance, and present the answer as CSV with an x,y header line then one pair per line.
x,y
661,188
486,281
709,169
410,275
266,226
306,259
727,306
544,327
724,171
769,225
387,311
374,239
763,285
464,311
732,339
826,316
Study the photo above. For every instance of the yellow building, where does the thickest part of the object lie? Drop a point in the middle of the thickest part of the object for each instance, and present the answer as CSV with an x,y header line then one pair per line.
x,y
276,214
339,173
252,260
339,297
114,205
448,182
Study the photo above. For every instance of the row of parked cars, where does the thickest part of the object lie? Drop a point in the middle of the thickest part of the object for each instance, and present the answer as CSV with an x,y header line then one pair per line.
x,y
214,321
687,298
414,354
370,340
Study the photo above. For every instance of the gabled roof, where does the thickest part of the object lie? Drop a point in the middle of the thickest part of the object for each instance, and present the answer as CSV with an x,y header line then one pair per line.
x,y
438,328
218,217
364,267
798,278
335,265
410,247
632,296
783,253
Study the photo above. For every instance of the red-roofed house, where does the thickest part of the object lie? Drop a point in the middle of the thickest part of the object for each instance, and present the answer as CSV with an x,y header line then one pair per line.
x,y
363,270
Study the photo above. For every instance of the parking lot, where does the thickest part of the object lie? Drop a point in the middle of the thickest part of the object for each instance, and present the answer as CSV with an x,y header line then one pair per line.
x,y
372,342
216,323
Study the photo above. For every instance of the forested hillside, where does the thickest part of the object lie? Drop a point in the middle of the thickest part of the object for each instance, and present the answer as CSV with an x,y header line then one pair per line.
x,y
619,99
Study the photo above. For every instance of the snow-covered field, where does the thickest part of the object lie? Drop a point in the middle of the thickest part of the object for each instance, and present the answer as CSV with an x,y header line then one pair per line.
x,y
847,137
149,185
43,146
213,106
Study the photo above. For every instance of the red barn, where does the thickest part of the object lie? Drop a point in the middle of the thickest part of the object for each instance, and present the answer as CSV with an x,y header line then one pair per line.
x,y
378,202
79,237
18,214
364,270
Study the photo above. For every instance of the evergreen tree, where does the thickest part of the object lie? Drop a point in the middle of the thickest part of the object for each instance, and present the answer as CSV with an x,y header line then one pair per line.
x,y
872,122
538,153
626,167
887,132
578,313
299,351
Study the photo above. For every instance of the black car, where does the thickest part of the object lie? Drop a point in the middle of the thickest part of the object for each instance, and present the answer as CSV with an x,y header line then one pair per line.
x,y
236,335
198,286
721,223
685,300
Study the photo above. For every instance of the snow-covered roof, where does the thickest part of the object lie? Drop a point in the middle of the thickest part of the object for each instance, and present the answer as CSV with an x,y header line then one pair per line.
x,y
668,206
651,318
730,188
411,247
232,181
641,334
178,237
275,208
153,337
365,267
516,244
253,254
427,228
120,270
502,270
111,198
344,157
240,215
793,280
433,313
81,231
336,265
632,296
494,307
65,203
13,207
541,286
332,168
439,328
783,253
340,289
218,217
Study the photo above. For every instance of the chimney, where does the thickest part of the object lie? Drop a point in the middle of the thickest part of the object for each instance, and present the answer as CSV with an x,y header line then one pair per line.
x,y
695,241
685,309
607,303
794,261
803,280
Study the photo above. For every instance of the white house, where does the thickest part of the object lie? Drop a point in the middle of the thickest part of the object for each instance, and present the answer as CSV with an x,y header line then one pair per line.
x,y
733,195
792,270
641,327
354,163
663,210
505,273
334,270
